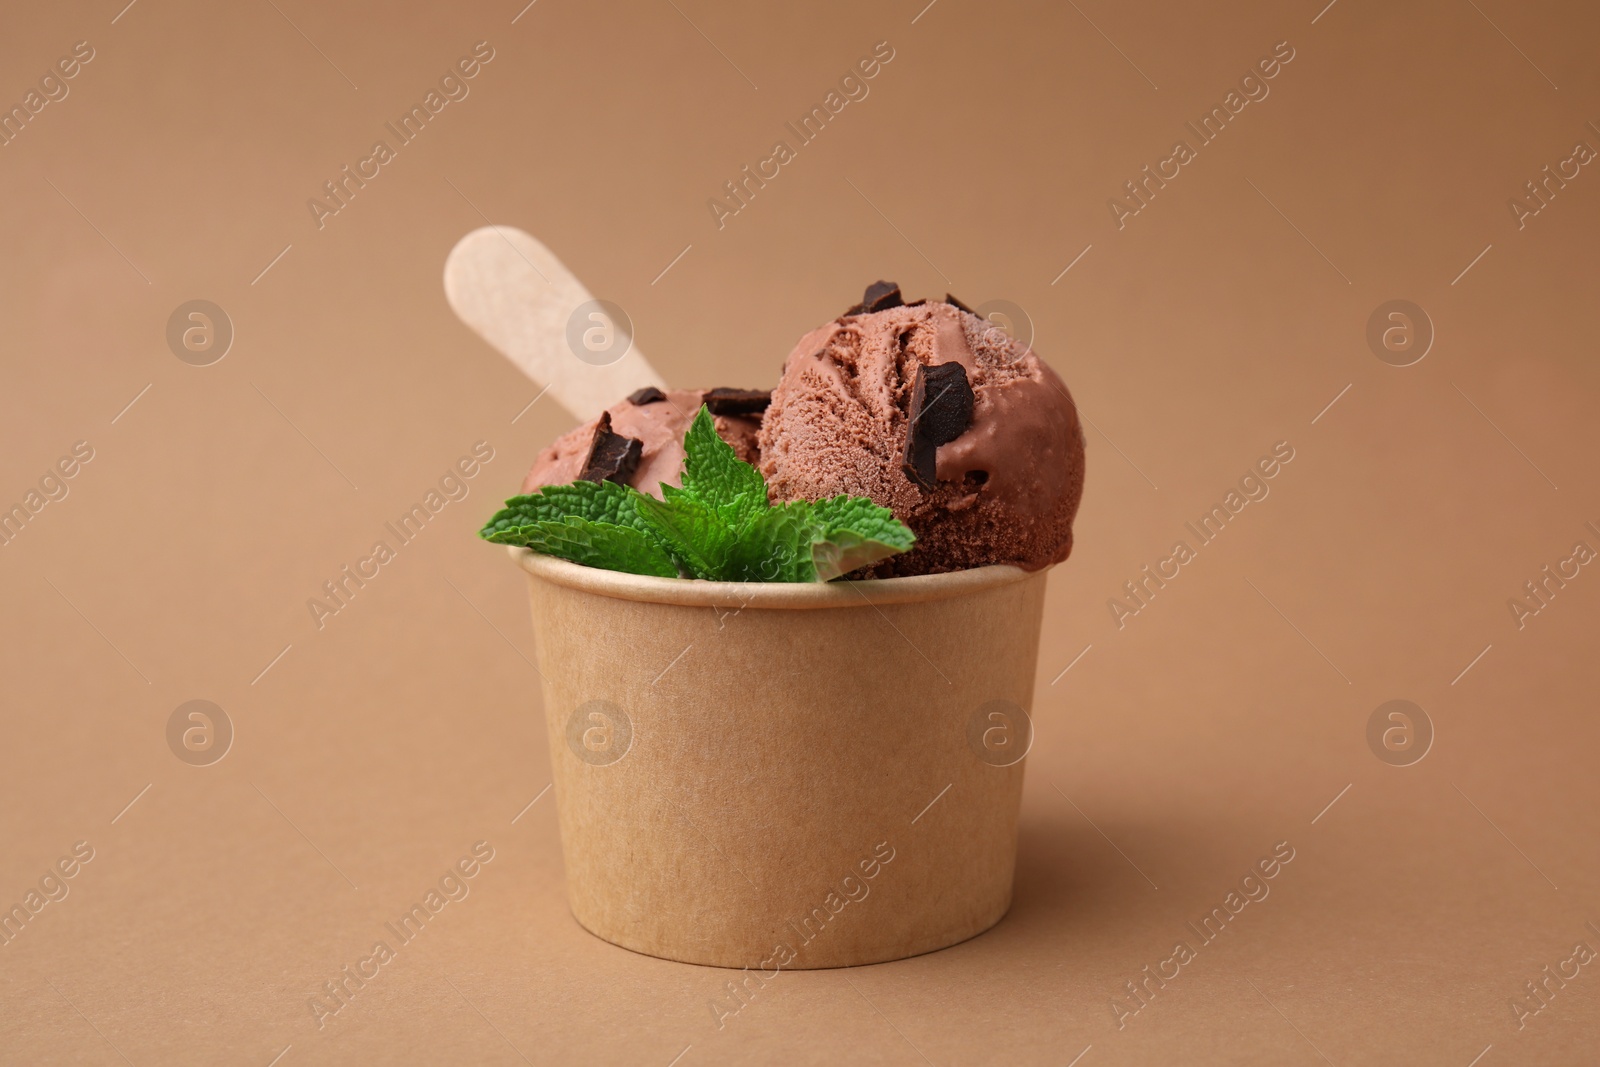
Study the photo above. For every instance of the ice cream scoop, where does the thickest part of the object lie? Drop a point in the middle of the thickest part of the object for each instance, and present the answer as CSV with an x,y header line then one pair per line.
x,y
963,432
655,420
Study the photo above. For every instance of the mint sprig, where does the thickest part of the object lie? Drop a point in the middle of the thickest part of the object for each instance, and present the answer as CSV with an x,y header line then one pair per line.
x,y
718,526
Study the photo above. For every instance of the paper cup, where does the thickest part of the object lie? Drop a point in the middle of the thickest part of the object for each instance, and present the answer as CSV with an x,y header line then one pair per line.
x,y
783,776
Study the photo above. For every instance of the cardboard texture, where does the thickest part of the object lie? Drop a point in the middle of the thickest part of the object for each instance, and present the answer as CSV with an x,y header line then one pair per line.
x,y
786,777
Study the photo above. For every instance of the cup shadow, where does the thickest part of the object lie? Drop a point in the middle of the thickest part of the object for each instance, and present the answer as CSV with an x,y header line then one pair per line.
x,y
1074,890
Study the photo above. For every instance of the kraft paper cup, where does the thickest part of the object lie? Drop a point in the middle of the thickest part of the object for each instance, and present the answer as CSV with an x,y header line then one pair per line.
x,y
783,776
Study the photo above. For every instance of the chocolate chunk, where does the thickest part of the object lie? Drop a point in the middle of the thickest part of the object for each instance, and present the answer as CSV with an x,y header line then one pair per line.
x,y
921,462
941,402
880,296
648,395
723,401
953,302
612,457
941,411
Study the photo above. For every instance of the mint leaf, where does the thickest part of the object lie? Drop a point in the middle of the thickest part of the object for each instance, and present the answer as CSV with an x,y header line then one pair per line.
x,y
775,546
692,531
601,544
859,515
593,523
606,502
713,472
669,493
853,532
718,526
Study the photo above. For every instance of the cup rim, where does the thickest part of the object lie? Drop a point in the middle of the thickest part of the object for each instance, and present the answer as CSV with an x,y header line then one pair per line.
x,y
692,592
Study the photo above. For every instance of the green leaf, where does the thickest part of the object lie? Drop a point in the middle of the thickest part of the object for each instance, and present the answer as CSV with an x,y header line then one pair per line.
x,y
854,532
693,532
775,546
601,544
605,502
859,515
669,493
718,526
713,472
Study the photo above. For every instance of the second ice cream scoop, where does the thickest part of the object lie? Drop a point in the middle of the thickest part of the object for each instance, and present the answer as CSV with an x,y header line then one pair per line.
x,y
963,432
657,419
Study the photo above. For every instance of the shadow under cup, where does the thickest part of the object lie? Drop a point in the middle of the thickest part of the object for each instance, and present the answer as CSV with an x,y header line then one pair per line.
x,y
786,775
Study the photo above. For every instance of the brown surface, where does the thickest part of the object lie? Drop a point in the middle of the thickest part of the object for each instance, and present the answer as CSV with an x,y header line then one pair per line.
x,y
379,748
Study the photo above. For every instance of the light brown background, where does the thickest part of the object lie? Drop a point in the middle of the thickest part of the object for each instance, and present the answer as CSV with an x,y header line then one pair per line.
x,y
376,750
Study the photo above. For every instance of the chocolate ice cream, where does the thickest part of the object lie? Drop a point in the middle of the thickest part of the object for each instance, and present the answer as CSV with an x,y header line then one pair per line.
x,y
639,442
964,433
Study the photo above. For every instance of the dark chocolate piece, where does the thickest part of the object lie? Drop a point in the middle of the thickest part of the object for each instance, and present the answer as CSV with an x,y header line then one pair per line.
x,y
724,401
953,302
612,457
648,395
944,410
921,462
941,411
880,296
